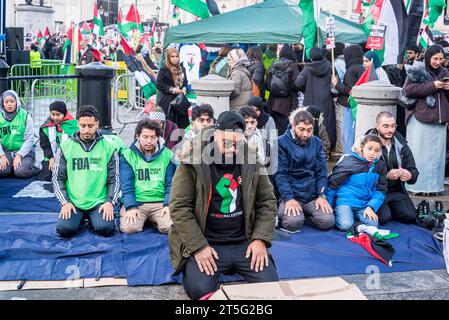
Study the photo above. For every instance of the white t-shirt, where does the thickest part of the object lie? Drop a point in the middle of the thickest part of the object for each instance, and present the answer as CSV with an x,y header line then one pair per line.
x,y
190,56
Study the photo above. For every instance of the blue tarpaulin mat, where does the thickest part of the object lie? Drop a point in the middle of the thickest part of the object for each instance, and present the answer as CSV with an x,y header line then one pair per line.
x,y
31,250
26,195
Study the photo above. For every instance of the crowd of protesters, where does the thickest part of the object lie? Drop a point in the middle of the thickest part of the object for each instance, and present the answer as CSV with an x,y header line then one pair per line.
x,y
207,208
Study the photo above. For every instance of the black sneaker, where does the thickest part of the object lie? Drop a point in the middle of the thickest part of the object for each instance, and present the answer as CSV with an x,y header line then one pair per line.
x,y
438,211
425,218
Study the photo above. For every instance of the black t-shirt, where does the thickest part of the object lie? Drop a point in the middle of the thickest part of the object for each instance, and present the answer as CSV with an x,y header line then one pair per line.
x,y
225,220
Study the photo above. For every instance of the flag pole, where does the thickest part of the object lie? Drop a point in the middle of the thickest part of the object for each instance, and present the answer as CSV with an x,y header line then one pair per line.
x,y
333,58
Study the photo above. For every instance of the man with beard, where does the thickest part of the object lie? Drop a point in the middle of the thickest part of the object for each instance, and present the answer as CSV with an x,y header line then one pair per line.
x,y
301,177
85,178
223,210
146,172
401,169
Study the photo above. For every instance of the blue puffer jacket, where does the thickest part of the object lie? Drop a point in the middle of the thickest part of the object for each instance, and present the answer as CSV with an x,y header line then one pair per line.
x,y
302,173
357,183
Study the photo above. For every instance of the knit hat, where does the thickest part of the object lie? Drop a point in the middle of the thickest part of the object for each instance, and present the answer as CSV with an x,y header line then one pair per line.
x,y
256,102
59,106
157,114
230,120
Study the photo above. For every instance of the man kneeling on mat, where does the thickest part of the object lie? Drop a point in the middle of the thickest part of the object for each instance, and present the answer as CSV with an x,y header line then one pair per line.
x,y
86,179
146,172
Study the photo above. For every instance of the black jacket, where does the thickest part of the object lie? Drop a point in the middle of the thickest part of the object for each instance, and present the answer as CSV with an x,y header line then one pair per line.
x,y
354,70
165,84
404,156
257,72
315,81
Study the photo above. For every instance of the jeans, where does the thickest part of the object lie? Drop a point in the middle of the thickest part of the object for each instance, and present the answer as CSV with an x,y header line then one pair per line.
x,y
231,260
68,228
345,217
348,130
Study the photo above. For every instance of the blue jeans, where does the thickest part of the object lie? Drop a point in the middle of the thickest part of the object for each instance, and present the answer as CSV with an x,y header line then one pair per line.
x,y
348,130
68,228
345,216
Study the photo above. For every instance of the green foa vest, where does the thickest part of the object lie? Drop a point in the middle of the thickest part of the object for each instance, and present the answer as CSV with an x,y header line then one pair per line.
x,y
149,177
55,137
87,172
12,133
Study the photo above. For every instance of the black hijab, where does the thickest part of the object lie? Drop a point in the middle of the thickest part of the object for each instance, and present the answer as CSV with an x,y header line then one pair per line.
x,y
430,52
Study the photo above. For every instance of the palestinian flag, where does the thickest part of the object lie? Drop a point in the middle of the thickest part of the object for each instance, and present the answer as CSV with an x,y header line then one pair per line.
x,y
131,22
46,33
391,13
368,76
426,38
379,249
98,23
119,20
72,44
145,79
310,15
435,8
212,7
39,37
196,7
415,12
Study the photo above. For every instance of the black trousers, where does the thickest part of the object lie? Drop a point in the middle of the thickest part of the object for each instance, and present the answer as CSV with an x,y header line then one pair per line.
x,y
397,206
231,259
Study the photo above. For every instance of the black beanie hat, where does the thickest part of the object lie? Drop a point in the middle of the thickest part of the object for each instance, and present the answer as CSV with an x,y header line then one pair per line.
x,y
256,102
230,120
58,106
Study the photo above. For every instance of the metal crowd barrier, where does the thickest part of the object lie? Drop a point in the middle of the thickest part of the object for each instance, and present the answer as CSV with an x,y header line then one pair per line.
x,y
130,110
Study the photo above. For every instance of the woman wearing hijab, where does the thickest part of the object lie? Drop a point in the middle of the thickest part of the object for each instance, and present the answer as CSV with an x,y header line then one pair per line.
x,y
171,81
380,72
426,122
55,130
238,72
315,82
280,106
17,138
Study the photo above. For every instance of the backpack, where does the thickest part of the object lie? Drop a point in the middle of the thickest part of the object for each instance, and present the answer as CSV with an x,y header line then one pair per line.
x,y
280,82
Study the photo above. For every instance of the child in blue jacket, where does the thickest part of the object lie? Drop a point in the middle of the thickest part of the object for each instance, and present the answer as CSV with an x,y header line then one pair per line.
x,y
358,183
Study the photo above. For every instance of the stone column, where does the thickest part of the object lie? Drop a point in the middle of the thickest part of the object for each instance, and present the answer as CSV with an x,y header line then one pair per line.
x,y
372,98
214,90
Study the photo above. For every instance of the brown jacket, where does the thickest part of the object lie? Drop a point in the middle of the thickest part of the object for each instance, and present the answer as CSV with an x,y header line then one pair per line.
x,y
190,200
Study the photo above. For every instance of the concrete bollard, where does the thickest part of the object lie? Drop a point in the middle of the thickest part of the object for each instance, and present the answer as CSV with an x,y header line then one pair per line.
x,y
372,98
214,90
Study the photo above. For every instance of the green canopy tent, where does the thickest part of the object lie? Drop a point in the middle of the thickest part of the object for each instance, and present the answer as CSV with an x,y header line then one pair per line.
x,y
272,21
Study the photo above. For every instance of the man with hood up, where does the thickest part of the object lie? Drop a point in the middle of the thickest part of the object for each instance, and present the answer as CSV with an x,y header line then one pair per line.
x,y
354,70
315,81
282,103
16,138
